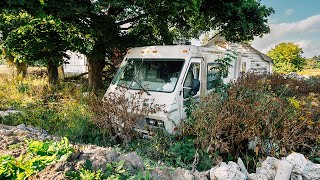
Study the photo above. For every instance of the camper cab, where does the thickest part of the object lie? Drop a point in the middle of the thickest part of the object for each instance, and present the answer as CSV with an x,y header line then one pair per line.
x,y
169,75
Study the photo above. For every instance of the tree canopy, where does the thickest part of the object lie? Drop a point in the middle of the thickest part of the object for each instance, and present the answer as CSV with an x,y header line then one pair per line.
x,y
287,57
97,28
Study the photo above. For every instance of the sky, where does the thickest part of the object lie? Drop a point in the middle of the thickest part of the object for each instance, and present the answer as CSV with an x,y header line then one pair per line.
x,y
296,21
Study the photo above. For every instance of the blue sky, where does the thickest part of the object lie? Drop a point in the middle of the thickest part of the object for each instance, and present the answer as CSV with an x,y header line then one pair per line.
x,y
295,21
292,10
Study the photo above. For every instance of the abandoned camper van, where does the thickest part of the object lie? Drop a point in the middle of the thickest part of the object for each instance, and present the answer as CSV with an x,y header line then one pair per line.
x,y
169,75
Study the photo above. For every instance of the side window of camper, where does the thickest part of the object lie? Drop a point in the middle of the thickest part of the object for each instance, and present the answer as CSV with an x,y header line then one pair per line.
x,y
193,76
212,75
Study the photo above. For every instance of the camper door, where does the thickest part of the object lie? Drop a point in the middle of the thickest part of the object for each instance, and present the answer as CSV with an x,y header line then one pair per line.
x,y
191,84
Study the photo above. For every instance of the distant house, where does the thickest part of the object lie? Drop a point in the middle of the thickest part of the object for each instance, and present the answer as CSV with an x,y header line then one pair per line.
x,y
251,60
77,63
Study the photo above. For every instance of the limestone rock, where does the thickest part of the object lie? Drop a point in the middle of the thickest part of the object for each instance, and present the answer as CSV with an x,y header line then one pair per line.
x,y
112,156
311,171
242,166
179,174
8,112
211,172
284,169
230,171
133,159
22,127
4,132
257,176
298,162
268,167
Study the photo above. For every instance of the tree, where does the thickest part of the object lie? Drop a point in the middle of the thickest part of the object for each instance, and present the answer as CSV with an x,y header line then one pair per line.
x,y
29,39
312,63
102,26
317,59
9,21
287,57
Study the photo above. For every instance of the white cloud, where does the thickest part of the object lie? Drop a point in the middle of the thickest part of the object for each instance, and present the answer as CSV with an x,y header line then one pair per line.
x,y
289,12
304,32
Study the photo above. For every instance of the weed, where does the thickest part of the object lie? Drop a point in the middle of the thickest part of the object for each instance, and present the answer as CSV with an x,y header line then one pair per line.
x,y
115,170
175,151
39,155
61,110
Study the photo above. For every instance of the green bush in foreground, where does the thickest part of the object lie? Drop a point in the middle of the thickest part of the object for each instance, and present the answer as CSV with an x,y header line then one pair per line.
x,y
113,171
39,155
175,151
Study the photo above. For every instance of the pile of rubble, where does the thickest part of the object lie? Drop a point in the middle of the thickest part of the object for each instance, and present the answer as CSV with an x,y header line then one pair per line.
x,y
294,167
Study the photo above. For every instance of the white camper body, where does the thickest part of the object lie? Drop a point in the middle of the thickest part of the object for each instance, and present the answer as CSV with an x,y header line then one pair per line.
x,y
168,75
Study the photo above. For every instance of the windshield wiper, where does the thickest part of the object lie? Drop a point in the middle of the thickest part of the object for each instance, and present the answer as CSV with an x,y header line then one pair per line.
x,y
145,90
134,79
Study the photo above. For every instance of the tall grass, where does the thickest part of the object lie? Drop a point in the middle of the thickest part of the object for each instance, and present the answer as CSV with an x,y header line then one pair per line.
x,y
62,110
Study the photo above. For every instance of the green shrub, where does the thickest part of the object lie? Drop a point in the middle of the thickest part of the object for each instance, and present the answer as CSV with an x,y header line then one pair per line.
x,y
281,115
175,151
114,170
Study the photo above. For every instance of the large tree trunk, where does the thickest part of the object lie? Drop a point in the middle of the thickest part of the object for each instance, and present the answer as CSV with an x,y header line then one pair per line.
x,y
95,69
21,69
53,73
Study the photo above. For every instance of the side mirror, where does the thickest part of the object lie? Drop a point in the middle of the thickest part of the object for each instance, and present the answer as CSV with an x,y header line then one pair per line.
x,y
195,85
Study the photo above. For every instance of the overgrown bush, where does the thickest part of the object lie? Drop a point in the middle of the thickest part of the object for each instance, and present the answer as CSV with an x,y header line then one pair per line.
x,y
276,115
121,111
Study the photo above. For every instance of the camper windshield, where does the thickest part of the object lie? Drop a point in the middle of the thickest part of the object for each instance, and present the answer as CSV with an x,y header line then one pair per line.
x,y
149,74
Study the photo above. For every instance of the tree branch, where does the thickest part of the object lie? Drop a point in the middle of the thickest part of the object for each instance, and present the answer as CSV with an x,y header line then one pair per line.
x,y
130,20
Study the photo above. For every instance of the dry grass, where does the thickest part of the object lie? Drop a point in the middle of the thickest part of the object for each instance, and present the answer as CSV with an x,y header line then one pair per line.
x,y
310,72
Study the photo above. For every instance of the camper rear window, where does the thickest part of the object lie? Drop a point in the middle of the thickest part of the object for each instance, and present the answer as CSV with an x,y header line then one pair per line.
x,y
160,75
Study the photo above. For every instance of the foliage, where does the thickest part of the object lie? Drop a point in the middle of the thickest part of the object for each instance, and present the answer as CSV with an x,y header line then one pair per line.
x,y
98,28
279,115
287,57
121,111
312,63
62,110
113,171
223,72
86,172
310,72
39,155
43,41
34,39
175,151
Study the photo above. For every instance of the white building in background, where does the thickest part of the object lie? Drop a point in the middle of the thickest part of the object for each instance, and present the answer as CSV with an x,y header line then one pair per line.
x,y
77,63
250,58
